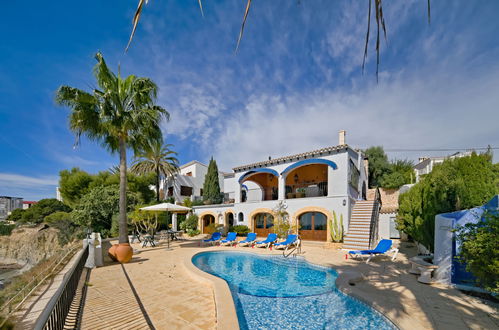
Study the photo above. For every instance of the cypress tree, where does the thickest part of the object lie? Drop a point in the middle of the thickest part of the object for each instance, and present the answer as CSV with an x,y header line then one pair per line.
x,y
211,186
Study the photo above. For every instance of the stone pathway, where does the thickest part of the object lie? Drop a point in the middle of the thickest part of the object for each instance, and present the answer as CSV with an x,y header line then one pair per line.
x,y
152,291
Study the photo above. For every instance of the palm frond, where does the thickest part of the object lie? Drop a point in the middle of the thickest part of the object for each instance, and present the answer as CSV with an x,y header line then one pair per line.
x,y
135,21
201,7
248,5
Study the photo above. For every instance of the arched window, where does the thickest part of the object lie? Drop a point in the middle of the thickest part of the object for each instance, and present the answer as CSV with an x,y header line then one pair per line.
x,y
240,217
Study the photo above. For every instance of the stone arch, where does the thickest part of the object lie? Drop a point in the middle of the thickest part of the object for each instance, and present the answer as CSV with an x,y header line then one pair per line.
x,y
326,212
201,216
255,212
226,218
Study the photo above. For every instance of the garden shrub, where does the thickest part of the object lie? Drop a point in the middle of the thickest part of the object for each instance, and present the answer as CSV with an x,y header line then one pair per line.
x,y
240,229
213,227
193,232
62,221
456,184
44,207
15,215
480,252
191,223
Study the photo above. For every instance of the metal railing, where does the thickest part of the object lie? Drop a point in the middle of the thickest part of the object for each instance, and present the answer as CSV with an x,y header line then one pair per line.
x,y
295,250
373,230
57,309
17,300
302,190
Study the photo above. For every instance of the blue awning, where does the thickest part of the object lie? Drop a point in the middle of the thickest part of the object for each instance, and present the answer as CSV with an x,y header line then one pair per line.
x,y
258,170
310,162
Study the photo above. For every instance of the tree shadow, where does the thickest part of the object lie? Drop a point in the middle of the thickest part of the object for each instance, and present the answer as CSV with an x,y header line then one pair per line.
x,y
391,289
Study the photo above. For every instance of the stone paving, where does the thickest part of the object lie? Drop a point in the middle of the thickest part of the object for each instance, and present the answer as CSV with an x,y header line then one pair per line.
x,y
154,290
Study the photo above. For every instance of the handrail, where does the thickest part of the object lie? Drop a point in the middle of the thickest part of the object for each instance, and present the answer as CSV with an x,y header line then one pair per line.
x,y
55,313
373,230
296,248
20,297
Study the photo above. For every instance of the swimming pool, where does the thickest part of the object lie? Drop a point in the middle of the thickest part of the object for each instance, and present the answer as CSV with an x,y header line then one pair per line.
x,y
273,292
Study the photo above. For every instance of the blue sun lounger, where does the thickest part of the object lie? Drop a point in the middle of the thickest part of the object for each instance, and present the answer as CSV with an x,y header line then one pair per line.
x,y
290,240
250,240
230,240
215,237
271,238
382,248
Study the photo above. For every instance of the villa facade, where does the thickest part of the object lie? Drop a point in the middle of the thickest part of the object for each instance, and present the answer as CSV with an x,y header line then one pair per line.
x,y
313,185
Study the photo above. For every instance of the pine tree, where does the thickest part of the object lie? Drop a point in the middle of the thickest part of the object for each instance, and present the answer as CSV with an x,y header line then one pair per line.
x,y
211,186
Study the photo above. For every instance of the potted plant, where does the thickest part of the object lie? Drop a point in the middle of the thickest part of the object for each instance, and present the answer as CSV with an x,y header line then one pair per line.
x,y
300,192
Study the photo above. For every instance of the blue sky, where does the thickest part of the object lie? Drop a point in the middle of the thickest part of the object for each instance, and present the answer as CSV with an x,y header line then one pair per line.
x,y
294,83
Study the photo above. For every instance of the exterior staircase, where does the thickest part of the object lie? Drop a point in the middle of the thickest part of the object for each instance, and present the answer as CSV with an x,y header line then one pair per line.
x,y
363,225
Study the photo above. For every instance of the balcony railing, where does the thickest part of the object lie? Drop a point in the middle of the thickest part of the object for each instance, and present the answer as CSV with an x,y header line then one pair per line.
x,y
302,190
257,195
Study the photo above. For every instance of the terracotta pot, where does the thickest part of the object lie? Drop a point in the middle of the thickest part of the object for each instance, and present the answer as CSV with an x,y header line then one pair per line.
x,y
112,252
124,253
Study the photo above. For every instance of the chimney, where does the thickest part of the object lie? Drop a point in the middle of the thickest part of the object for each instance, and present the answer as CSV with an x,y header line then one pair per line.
x,y
341,137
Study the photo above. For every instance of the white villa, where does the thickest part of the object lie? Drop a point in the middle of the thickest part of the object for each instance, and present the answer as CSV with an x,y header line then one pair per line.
x,y
312,184
188,183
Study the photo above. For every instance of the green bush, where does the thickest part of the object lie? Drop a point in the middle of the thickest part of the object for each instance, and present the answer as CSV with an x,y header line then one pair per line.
x,y
479,251
62,221
193,232
213,227
240,229
96,209
44,207
15,215
6,230
191,223
454,185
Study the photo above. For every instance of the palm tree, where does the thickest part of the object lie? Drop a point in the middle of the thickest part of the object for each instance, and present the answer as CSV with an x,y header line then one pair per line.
x,y
120,114
159,159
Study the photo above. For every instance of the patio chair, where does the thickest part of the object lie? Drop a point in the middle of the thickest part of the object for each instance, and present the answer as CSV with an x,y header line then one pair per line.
x,y
148,239
230,240
249,241
384,246
215,238
271,238
290,241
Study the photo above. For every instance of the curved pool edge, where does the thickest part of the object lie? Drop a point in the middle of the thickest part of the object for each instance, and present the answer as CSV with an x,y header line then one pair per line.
x,y
225,309
343,285
226,314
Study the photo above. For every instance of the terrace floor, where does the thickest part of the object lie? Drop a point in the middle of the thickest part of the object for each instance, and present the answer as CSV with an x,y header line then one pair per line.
x,y
156,291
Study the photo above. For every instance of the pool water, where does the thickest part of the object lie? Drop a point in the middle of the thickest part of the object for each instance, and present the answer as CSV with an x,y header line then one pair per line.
x,y
273,292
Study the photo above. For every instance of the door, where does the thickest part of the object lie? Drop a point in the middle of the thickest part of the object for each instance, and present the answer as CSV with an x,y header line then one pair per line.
x,y
263,224
313,226
207,220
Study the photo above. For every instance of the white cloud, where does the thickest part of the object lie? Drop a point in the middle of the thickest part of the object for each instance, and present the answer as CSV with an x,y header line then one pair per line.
x,y
411,111
17,180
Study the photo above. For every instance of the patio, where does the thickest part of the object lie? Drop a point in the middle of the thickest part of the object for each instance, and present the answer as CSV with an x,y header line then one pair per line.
x,y
156,290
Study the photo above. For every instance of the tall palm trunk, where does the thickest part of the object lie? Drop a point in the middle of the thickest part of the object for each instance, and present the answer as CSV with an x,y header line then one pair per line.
x,y
157,185
122,220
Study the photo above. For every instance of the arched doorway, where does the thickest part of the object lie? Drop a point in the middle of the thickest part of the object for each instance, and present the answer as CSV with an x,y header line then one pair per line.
x,y
230,219
264,223
313,226
207,220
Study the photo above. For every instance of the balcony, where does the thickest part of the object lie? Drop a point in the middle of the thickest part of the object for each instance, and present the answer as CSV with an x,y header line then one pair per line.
x,y
305,190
